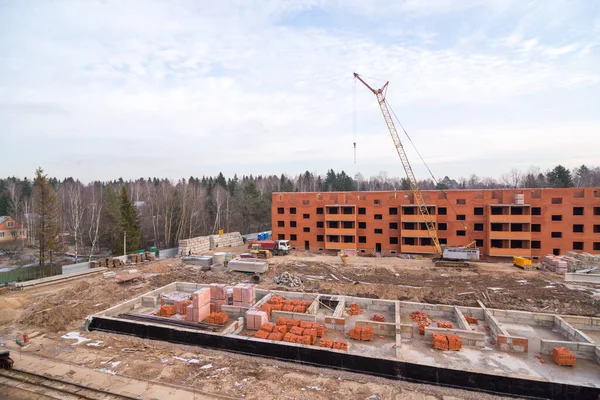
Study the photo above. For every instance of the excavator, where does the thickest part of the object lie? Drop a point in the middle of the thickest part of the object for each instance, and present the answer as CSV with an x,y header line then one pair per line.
x,y
448,256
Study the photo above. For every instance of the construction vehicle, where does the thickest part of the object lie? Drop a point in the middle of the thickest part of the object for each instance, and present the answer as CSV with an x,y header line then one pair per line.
x,y
523,262
5,361
455,256
277,247
259,252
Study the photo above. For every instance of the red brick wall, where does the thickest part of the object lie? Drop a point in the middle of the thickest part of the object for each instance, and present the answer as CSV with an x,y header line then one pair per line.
x,y
379,203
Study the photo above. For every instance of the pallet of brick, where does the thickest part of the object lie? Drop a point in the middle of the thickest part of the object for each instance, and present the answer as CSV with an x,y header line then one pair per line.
x,y
444,324
244,295
422,326
326,343
562,356
454,342
471,320
231,239
267,327
440,341
262,335
181,306
255,319
218,291
275,336
364,333
166,311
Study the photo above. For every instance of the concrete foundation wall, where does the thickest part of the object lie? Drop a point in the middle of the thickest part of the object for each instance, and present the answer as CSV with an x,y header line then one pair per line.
x,y
495,327
292,315
581,350
236,325
522,317
469,338
475,312
597,354
513,344
589,278
379,328
406,331
434,310
132,304
461,322
573,334
586,323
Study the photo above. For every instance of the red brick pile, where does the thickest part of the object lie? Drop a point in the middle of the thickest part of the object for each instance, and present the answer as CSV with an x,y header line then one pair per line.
x,y
327,343
361,333
340,345
181,306
354,309
278,303
562,356
378,318
471,320
447,342
419,316
166,311
422,326
444,324
217,318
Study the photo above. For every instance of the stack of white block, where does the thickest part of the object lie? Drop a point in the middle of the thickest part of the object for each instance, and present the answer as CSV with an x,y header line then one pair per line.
x,y
194,245
554,263
226,240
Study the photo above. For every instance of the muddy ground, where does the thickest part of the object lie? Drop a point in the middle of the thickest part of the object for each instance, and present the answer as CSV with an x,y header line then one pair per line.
x,y
49,312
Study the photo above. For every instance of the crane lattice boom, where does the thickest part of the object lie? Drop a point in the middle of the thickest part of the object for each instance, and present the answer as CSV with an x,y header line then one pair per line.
x,y
410,175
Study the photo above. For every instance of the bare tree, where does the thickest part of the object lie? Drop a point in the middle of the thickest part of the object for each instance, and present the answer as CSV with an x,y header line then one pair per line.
x,y
96,203
75,211
512,178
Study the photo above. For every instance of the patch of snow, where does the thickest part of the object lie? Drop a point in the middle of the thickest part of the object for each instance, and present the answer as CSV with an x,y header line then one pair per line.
x,y
549,287
495,289
207,366
75,336
112,364
237,384
97,343
106,371
522,281
313,387
164,360
221,369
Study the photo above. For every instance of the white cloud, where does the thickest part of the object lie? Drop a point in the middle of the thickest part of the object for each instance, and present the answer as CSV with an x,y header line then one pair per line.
x,y
109,89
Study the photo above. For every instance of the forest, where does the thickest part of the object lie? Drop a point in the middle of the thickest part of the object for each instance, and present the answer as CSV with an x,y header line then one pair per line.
x,y
158,212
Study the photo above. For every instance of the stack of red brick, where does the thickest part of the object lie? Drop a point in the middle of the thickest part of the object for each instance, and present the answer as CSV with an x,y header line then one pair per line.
x,y
166,311
244,295
278,303
354,309
330,344
471,320
218,296
562,356
361,333
422,319
200,307
446,342
219,318
181,306
444,324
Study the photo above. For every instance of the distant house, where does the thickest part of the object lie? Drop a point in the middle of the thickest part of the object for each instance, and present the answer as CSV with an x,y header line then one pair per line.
x,y
10,230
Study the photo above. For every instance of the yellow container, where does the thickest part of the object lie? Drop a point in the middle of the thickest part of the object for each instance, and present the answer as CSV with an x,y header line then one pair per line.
x,y
221,231
522,262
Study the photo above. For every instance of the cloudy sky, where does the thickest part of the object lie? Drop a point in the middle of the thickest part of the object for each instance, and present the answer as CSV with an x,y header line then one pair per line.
x,y
108,89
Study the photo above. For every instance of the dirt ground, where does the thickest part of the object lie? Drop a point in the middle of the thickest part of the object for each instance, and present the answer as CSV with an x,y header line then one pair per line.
x,y
48,312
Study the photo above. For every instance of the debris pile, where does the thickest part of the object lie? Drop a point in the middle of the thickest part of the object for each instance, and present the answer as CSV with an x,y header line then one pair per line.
x,y
447,342
419,316
377,318
354,310
361,333
444,324
287,279
562,356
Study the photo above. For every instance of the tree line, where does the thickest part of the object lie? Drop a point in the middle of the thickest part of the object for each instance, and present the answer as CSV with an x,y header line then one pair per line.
x,y
95,217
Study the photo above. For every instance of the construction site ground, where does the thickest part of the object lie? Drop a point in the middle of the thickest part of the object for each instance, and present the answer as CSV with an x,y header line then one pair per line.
x,y
54,317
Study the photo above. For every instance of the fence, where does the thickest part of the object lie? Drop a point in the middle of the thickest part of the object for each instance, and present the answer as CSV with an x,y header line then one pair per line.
x,y
29,273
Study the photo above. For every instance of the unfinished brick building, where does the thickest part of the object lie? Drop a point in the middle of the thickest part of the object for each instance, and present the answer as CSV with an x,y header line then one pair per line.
x,y
504,223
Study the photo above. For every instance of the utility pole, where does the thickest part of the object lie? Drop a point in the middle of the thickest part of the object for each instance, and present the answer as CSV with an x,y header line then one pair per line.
x,y
124,243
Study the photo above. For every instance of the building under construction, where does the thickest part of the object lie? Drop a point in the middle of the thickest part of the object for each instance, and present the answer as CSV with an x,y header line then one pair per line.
x,y
501,223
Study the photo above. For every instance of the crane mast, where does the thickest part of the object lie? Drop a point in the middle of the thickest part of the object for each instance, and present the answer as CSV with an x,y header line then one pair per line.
x,y
410,175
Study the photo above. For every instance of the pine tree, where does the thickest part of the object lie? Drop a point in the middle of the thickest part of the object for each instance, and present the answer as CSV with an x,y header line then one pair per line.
x,y
559,177
129,224
47,209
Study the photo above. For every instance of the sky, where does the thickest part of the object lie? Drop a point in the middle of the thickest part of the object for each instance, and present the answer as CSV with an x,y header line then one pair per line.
x,y
172,89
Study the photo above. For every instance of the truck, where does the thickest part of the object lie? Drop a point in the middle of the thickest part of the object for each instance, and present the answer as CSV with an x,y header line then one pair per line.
x,y
277,247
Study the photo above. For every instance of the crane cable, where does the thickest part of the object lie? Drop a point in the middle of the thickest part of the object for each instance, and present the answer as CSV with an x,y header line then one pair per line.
x,y
428,169
354,118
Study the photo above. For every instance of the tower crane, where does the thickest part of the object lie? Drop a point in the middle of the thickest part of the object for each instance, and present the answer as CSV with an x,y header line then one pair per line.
x,y
459,254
